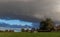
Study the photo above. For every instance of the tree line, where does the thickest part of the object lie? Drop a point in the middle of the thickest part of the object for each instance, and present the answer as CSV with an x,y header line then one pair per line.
x,y
45,25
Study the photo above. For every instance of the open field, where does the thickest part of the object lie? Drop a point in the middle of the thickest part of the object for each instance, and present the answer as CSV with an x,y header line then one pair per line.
x,y
24,34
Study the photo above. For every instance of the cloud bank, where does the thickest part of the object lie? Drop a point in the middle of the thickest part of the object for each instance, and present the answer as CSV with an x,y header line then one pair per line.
x,y
30,9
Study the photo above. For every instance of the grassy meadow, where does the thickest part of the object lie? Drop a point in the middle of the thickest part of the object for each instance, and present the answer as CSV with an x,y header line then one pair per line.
x,y
25,34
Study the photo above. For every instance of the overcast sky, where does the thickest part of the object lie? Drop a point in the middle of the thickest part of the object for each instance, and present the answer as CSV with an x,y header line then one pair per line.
x,y
30,9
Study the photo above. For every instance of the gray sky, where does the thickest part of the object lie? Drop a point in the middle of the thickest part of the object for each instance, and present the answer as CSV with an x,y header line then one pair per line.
x,y
30,9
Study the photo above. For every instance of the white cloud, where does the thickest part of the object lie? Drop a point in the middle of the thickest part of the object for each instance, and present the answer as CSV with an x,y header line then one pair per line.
x,y
15,22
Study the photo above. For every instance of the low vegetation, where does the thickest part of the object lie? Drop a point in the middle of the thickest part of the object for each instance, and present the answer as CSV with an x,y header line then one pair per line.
x,y
26,34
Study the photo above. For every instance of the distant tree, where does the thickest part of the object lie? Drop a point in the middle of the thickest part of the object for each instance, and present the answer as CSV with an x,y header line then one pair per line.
x,y
6,30
22,30
1,31
11,31
27,30
47,24
32,30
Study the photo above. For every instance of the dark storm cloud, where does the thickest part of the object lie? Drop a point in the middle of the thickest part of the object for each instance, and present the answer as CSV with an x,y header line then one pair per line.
x,y
30,9
17,9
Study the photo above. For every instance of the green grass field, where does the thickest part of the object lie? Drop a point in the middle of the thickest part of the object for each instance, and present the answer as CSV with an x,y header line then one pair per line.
x,y
24,34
